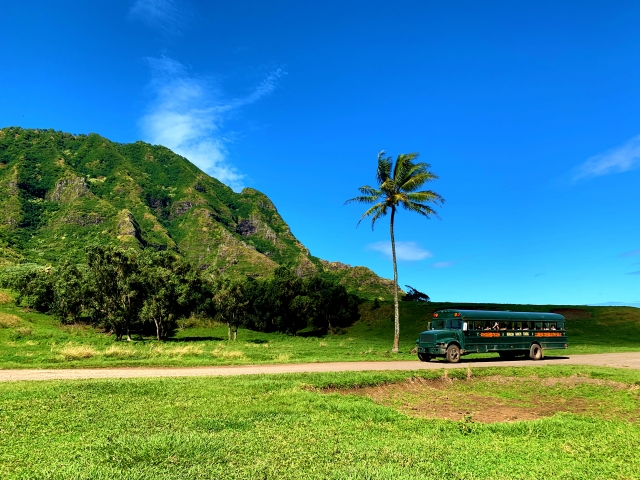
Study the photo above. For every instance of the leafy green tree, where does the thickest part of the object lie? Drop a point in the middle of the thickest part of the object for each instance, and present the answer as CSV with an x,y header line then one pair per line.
x,y
231,303
398,186
167,283
33,285
69,284
300,310
283,289
333,307
115,290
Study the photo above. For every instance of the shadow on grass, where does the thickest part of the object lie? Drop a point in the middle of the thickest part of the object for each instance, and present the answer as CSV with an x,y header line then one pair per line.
x,y
312,334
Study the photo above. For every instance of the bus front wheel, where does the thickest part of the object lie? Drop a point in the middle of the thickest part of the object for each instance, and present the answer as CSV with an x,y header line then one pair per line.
x,y
423,357
535,352
453,354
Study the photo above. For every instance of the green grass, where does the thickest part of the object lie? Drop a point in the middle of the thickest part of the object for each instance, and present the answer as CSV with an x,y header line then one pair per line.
x,y
34,340
285,426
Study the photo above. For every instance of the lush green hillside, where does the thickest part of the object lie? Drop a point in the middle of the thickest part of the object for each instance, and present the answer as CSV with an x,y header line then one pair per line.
x,y
60,192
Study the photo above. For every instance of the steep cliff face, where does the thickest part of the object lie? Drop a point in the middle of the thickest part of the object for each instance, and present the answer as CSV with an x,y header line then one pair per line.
x,y
60,192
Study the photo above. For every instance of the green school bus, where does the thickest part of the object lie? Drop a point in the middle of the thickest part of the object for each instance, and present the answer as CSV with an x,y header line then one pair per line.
x,y
453,333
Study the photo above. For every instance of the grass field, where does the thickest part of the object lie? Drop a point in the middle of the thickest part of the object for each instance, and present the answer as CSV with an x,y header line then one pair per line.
x,y
347,425
33,340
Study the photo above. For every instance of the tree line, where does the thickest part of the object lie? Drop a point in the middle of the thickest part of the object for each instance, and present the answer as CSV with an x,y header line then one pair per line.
x,y
127,292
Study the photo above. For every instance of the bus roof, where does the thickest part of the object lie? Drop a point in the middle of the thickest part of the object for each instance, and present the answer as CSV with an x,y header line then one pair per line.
x,y
492,315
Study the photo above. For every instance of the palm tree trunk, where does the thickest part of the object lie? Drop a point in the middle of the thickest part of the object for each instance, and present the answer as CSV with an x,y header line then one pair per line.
x,y
396,331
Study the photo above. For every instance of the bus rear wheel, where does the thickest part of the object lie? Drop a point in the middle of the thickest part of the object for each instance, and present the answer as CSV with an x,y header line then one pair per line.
x,y
453,354
535,352
423,357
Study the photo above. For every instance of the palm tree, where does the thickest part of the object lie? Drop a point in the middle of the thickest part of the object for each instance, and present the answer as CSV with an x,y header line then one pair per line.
x,y
401,189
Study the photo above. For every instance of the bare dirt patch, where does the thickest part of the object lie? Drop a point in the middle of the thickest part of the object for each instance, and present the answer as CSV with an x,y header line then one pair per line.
x,y
501,399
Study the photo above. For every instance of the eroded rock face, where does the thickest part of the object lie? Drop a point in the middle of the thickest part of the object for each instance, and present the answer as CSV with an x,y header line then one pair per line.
x,y
84,219
127,226
68,189
335,265
246,228
180,208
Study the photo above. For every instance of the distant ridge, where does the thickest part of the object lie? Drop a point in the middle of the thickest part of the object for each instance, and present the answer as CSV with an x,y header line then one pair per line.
x,y
60,192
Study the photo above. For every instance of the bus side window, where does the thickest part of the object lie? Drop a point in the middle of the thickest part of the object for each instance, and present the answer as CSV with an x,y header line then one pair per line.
x,y
518,325
552,326
487,325
538,326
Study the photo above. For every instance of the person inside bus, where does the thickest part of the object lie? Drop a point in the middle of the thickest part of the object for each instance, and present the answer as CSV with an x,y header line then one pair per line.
x,y
525,325
545,326
487,326
496,326
553,326
503,326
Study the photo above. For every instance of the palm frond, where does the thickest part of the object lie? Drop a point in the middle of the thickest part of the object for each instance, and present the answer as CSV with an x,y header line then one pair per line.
x,y
384,168
370,195
378,210
403,166
367,190
417,176
379,214
363,199
425,196
419,208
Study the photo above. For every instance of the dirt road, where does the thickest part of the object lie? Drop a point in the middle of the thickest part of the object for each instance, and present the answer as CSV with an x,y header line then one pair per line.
x,y
621,360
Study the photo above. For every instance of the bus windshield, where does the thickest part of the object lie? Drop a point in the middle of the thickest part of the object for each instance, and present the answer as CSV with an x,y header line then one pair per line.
x,y
446,324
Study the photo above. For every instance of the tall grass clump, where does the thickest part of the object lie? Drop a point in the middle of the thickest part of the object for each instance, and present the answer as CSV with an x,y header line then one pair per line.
x,y
7,320
77,352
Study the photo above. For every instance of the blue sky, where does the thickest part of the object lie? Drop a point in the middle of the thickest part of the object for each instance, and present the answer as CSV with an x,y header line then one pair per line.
x,y
528,113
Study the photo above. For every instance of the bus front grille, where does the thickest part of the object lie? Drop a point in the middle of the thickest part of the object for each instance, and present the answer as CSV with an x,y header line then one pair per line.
x,y
427,338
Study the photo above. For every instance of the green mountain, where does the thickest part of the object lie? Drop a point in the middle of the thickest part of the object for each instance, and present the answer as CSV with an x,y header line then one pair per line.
x,y
60,192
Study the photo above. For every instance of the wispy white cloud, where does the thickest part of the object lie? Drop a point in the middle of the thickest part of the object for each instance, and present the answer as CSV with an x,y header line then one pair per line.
x,y
168,16
187,115
630,254
620,159
443,264
404,250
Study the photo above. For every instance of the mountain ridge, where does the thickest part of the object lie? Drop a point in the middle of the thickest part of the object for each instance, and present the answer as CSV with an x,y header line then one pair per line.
x,y
61,192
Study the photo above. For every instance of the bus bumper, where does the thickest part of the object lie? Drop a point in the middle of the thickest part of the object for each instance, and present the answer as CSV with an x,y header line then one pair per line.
x,y
432,350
